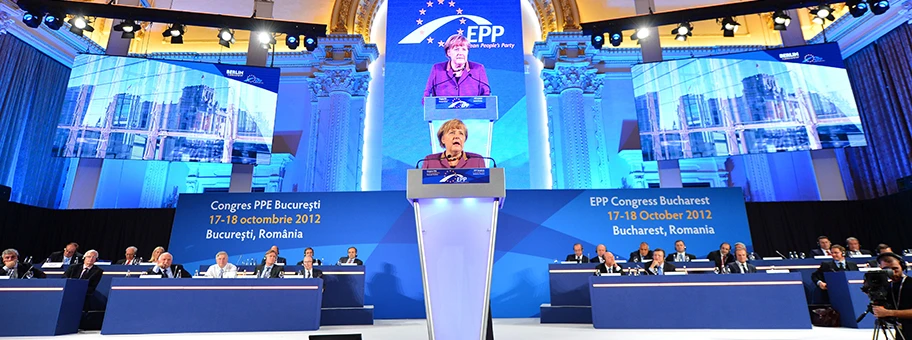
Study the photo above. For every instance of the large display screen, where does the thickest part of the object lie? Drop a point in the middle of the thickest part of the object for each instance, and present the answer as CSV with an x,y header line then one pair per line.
x,y
146,109
787,99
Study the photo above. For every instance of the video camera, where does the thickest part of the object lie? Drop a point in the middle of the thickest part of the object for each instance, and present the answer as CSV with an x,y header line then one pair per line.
x,y
877,287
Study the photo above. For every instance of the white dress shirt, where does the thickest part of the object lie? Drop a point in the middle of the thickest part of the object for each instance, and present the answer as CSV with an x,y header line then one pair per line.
x,y
681,257
308,273
228,272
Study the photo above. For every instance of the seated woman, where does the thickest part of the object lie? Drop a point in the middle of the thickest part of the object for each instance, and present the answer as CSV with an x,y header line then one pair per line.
x,y
452,136
155,253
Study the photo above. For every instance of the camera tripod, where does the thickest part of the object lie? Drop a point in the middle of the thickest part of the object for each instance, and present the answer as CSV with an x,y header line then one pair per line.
x,y
883,326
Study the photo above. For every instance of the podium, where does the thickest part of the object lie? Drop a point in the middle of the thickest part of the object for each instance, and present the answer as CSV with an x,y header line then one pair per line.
x,y
456,218
478,114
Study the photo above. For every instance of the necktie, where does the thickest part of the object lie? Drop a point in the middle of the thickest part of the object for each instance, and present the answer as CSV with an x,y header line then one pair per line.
x,y
266,272
221,272
84,271
659,270
743,268
841,266
308,275
350,260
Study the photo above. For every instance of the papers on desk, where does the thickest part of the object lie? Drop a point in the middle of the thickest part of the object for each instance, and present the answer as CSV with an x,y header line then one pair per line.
x,y
294,276
108,263
699,260
610,274
150,276
860,256
777,271
822,257
4,277
52,265
675,273
572,262
772,258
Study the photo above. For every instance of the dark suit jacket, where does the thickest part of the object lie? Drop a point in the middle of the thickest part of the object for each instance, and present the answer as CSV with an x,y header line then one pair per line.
x,y
830,266
595,260
176,270
279,259
22,269
602,268
320,263
671,257
57,256
317,274
716,256
666,267
344,259
572,257
735,268
276,272
817,252
93,275
863,252
124,261
636,255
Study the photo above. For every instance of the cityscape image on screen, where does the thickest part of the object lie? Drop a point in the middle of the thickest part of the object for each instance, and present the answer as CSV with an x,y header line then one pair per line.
x,y
146,109
755,102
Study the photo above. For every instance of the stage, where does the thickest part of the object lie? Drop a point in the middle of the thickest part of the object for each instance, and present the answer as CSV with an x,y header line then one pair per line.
x,y
510,329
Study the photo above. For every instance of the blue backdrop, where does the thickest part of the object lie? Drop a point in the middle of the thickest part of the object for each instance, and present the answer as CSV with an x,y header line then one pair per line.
x,y
535,228
406,137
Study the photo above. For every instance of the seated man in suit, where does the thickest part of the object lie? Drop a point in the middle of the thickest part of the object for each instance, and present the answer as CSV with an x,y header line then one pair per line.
x,y
352,257
838,264
608,265
658,265
222,269
721,257
577,255
680,254
14,270
310,252
600,250
280,260
129,257
167,269
67,256
87,271
823,244
740,266
309,272
641,255
270,270
853,248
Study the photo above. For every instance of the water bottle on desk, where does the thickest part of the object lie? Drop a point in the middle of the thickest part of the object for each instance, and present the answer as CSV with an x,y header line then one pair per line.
x,y
716,270
801,256
128,273
196,272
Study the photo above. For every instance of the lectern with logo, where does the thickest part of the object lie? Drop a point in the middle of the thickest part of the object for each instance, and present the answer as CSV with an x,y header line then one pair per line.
x,y
456,217
477,113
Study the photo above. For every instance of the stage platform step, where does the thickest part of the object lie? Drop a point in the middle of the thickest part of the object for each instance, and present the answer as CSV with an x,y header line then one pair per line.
x,y
344,316
565,314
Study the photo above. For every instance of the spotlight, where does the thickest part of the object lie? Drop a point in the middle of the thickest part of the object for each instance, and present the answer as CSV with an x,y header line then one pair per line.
x,y
226,37
175,32
879,7
684,30
53,21
79,24
729,27
292,41
640,34
615,38
857,7
128,27
266,39
822,13
310,43
31,19
598,40
781,20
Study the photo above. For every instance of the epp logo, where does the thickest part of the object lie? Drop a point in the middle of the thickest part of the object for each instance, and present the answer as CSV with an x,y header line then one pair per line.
x,y
812,59
252,79
484,31
454,178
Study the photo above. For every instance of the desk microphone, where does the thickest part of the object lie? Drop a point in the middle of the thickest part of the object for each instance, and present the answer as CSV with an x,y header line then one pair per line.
x,y
780,254
418,165
493,162
27,271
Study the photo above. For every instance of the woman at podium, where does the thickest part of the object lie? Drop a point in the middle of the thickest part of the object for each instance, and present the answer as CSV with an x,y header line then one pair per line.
x,y
452,136
458,76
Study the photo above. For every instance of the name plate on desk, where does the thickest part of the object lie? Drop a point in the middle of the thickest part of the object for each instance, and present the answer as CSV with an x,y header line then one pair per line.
x,y
675,273
4,277
293,277
52,265
773,258
456,176
699,260
860,256
822,257
459,103
103,263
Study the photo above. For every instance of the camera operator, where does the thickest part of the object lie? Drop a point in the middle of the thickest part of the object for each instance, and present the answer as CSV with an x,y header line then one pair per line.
x,y
900,293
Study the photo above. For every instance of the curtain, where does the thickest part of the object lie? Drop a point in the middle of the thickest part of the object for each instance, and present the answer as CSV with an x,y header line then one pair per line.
x,y
32,89
882,82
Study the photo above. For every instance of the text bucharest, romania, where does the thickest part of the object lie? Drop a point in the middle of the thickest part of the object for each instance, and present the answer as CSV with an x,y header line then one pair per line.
x,y
261,213
693,214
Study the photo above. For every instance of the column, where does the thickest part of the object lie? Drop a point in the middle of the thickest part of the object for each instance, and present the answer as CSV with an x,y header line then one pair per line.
x,y
579,158
339,88
88,170
242,174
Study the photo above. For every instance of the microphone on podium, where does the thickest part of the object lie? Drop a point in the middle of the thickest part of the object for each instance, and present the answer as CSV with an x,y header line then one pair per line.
x,y
493,162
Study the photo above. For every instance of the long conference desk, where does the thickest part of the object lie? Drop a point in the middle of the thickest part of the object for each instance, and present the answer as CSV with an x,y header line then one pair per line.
x,y
212,305
342,302
571,299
